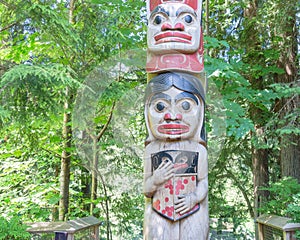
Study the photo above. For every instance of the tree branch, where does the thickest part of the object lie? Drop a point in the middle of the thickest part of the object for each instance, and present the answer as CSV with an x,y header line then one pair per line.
x,y
107,123
52,152
8,26
239,185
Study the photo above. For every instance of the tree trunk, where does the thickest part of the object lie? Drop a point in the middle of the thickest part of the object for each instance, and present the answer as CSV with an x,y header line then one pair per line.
x,y
67,142
289,154
289,143
259,154
260,175
65,163
94,175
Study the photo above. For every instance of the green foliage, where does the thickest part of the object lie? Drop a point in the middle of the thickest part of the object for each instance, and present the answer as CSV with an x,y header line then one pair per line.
x,y
25,187
284,195
284,200
293,211
43,51
13,229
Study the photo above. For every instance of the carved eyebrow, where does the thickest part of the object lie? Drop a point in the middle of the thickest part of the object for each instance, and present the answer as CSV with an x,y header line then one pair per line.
x,y
160,9
186,95
161,96
185,10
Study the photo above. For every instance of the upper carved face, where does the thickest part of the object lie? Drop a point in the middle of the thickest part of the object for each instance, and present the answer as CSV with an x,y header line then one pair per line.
x,y
174,26
174,114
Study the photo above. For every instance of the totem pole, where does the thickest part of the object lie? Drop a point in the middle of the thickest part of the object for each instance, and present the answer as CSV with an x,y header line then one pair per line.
x,y
175,160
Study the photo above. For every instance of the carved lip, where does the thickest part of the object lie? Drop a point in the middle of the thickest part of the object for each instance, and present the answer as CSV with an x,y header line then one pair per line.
x,y
172,36
181,165
173,129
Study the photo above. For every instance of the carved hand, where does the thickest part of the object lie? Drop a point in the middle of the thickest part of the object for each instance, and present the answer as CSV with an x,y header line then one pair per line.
x,y
163,173
184,203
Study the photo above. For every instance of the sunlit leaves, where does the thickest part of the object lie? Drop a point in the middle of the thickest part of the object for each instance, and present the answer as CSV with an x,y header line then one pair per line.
x,y
32,90
13,228
283,193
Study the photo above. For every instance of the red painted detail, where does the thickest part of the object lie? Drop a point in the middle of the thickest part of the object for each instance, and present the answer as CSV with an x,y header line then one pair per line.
x,y
169,27
179,26
173,36
166,27
185,181
156,205
193,178
169,211
179,186
180,165
174,61
192,3
190,62
167,116
173,129
169,184
166,40
166,199
179,116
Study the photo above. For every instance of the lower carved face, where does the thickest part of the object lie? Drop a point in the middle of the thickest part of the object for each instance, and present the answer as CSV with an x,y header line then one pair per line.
x,y
174,114
174,26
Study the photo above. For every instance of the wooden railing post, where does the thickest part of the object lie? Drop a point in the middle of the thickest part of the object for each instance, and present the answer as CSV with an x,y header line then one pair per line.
x,y
96,233
61,236
260,232
270,226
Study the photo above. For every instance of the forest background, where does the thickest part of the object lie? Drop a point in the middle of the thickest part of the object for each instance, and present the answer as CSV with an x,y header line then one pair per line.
x,y
72,75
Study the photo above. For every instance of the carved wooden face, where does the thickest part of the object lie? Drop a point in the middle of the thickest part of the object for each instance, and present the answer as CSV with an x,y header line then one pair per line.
x,y
174,114
173,26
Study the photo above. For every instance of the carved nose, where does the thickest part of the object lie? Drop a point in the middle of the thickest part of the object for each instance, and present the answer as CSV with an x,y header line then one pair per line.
x,y
168,117
169,27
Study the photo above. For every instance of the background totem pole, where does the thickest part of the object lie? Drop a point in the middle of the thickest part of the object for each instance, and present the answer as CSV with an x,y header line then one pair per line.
x,y
175,161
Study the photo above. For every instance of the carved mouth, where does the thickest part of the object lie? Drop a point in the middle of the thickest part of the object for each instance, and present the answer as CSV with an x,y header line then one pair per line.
x,y
173,36
173,129
180,165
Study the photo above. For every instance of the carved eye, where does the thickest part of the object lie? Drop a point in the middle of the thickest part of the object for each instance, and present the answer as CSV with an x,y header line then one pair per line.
x,y
160,106
188,18
158,20
185,105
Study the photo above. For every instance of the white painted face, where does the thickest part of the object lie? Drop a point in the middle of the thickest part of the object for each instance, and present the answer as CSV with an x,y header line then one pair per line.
x,y
175,114
173,26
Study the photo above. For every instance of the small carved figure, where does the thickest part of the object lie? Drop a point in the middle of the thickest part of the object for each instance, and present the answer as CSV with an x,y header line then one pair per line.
x,y
175,164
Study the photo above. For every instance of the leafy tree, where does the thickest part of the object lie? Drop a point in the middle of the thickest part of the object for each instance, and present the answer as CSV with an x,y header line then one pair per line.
x,y
13,229
47,51
251,93
283,194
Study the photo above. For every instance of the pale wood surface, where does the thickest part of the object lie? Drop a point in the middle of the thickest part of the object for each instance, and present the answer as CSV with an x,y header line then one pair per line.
x,y
195,226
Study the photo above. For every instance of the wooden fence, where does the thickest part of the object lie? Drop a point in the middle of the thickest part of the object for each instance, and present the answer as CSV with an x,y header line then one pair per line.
x,y
271,227
84,229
